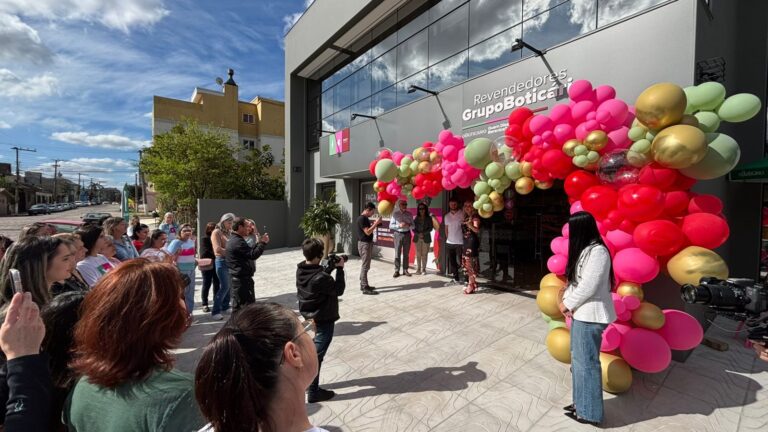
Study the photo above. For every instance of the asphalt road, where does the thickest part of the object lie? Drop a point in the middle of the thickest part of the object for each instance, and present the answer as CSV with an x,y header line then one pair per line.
x,y
10,226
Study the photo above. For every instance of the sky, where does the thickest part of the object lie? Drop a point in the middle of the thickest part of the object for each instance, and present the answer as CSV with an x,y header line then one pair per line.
x,y
77,77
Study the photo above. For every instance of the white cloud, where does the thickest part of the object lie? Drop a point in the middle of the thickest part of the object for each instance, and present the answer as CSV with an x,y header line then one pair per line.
x,y
34,87
21,43
148,115
290,20
107,141
4,125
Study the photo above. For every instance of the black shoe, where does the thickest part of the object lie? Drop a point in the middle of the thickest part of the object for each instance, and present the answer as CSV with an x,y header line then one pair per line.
x,y
206,308
320,395
371,287
405,273
570,408
397,274
369,291
573,416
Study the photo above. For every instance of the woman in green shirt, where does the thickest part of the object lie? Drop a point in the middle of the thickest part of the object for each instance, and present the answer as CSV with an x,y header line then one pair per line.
x,y
130,321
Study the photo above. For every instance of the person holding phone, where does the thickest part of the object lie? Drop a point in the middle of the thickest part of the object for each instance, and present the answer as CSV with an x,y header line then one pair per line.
x,y
240,262
365,231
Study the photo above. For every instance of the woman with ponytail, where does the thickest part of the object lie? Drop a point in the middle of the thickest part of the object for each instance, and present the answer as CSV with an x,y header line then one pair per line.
x,y
253,374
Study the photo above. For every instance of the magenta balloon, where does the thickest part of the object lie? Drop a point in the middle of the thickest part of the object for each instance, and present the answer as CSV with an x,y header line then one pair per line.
x,y
450,153
591,125
634,265
581,109
444,136
604,93
591,115
559,246
397,157
622,328
631,302
540,124
563,132
580,90
620,239
680,330
581,131
619,306
645,350
566,231
561,114
624,316
447,183
556,264
618,139
611,339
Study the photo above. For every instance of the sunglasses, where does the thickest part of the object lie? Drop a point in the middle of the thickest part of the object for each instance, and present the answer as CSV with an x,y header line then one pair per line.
x,y
308,327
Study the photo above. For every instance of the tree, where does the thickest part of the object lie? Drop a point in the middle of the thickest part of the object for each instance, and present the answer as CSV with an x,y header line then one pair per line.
x,y
258,179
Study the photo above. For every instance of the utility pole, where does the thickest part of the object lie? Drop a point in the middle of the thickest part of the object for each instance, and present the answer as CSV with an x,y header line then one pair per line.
x,y
16,197
55,178
136,192
78,188
141,183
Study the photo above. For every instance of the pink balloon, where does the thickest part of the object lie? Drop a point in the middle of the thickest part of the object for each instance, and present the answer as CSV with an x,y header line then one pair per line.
x,y
394,189
561,114
645,350
622,327
602,228
591,125
556,264
450,152
624,316
444,136
592,115
611,339
462,161
634,265
680,330
559,246
568,322
580,90
566,231
620,239
604,93
540,124
397,157
618,139
563,132
581,109
616,111
631,302
618,305
447,183
576,207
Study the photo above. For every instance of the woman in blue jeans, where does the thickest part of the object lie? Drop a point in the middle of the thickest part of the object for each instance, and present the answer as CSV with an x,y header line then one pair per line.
x,y
587,300
219,238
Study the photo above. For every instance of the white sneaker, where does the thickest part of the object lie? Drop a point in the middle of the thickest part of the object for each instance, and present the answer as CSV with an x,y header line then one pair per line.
x,y
218,317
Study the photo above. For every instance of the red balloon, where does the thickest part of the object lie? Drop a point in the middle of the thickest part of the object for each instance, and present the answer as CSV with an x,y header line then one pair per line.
x,y
676,203
417,193
527,134
683,183
372,167
640,203
578,181
659,237
658,176
520,115
557,163
627,226
705,230
599,201
705,204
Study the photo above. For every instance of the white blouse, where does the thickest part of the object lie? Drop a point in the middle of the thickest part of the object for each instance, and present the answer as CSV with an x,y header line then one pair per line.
x,y
589,296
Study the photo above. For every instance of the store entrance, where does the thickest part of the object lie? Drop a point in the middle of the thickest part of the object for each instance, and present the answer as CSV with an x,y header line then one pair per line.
x,y
514,242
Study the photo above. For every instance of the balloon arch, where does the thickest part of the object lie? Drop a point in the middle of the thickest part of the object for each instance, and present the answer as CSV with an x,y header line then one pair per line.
x,y
632,168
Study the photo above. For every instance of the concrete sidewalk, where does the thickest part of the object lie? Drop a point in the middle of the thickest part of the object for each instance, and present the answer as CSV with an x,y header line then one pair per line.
x,y
421,356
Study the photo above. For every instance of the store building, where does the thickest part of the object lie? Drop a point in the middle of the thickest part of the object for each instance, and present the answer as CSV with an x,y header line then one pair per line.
x,y
346,57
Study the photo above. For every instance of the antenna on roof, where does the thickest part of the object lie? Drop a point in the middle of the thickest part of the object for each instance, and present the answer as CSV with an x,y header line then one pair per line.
x,y
219,81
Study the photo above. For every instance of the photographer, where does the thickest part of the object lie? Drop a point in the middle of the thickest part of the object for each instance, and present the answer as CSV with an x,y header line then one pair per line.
x,y
318,295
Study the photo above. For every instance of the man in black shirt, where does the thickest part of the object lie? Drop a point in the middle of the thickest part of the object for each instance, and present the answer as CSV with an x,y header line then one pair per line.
x,y
240,262
365,231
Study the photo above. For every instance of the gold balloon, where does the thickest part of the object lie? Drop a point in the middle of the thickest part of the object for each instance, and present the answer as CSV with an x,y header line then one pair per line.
x,y
596,140
559,344
551,279
649,316
385,208
497,200
661,105
547,299
524,185
617,375
570,146
679,146
693,263
526,168
485,214
630,289
424,167
690,120
543,185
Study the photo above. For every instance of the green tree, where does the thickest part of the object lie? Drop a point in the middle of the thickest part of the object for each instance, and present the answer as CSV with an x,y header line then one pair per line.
x,y
259,179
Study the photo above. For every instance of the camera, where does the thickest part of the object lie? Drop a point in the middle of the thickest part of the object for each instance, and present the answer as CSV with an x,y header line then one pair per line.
x,y
737,299
332,260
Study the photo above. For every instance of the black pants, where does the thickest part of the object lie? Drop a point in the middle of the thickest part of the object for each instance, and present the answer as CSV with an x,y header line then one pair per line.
x,y
323,340
242,292
455,252
209,276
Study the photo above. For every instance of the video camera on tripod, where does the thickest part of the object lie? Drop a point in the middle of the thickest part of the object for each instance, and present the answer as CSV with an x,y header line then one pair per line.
x,y
736,299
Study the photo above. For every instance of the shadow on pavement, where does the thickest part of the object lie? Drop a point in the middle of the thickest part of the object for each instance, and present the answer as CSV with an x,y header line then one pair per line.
x,y
354,328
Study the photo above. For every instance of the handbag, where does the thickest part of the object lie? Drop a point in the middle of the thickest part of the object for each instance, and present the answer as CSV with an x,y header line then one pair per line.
x,y
205,264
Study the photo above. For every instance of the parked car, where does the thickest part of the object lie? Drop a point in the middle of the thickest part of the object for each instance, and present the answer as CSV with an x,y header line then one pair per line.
x,y
38,209
64,225
95,217
78,203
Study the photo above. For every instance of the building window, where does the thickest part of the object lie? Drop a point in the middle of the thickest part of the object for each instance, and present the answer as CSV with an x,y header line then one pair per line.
x,y
248,118
249,144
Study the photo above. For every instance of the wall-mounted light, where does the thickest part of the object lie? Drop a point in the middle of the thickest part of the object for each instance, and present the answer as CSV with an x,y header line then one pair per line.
x,y
356,115
520,44
412,88
322,131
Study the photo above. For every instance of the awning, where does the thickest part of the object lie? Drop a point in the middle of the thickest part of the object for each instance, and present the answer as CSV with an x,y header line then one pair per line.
x,y
755,172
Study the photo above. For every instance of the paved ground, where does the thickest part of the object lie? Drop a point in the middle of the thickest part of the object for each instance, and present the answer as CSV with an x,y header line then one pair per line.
x,y
10,226
422,356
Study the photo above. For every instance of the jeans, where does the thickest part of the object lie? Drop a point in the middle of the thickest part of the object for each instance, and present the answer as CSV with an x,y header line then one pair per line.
x,y
402,247
242,292
323,340
585,369
422,252
221,298
454,258
189,292
209,276
366,252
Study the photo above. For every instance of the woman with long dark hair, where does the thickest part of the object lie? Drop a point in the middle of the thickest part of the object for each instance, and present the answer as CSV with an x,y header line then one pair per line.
x,y
253,373
75,282
209,272
153,248
423,224
94,265
470,230
587,300
219,238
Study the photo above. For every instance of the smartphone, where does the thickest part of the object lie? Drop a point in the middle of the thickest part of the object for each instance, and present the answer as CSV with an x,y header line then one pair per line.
x,y
16,281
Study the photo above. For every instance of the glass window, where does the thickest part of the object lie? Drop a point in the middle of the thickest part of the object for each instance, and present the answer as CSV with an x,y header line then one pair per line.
x,y
532,8
412,27
384,71
383,101
448,72
341,119
361,84
342,95
609,11
555,26
420,79
449,35
327,103
494,52
326,125
412,55
489,17
443,8
384,46
362,107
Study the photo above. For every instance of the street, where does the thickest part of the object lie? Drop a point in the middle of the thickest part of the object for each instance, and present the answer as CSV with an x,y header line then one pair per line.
x,y
10,226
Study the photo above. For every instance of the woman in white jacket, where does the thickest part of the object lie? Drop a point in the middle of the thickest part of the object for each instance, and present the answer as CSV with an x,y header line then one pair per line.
x,y
587,300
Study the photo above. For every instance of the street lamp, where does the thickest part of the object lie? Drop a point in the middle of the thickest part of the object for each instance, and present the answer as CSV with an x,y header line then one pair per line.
x,y
322,131
412,88
520,44
356,115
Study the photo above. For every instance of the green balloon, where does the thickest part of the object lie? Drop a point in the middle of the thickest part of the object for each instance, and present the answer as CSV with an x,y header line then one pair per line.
x,y
556,324
415,166
406,160
513,170
494,183
641,146
494,170
689,94
722,156
637,133
580,150
593,156
477,205
650,135
484,198
707,96
483,177
708,121
405,170
580,161
739,107
505,182
386,170
481,188
546,317
478,152
488,207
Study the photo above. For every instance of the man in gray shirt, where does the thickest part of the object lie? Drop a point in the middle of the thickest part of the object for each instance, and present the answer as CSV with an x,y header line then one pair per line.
x,y
401,224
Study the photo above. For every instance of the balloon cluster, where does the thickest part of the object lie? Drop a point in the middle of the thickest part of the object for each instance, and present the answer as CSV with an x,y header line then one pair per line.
x,y
456,171
418,174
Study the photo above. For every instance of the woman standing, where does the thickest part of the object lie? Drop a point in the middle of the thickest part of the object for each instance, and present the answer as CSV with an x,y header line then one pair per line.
x,y
94,265
153,248
133,223
423,225
470,230
183,248
587,300
116,227
169,226
109,251
139,236
75,282
209,273
219,239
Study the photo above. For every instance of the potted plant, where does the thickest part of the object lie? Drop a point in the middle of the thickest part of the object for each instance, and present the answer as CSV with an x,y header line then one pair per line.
x,y
320,220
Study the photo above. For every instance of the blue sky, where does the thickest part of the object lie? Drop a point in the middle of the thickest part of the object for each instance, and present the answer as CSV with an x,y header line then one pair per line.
x,y
77,77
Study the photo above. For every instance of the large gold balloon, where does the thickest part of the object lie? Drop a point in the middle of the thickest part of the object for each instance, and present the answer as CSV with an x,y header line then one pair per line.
x,y
524,185
570,146
485,214
648,316
559,344
526,168
661,105
547,299
551,279
497,200
543,185
679,146
630,289
385,208
617,375
693,263
596,140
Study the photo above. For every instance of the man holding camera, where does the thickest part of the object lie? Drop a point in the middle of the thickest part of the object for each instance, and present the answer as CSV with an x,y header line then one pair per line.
x,y
318,295
241,262
365,231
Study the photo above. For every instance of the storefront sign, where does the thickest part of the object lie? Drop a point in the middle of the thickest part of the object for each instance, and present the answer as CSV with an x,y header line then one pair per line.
x,y
338,142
